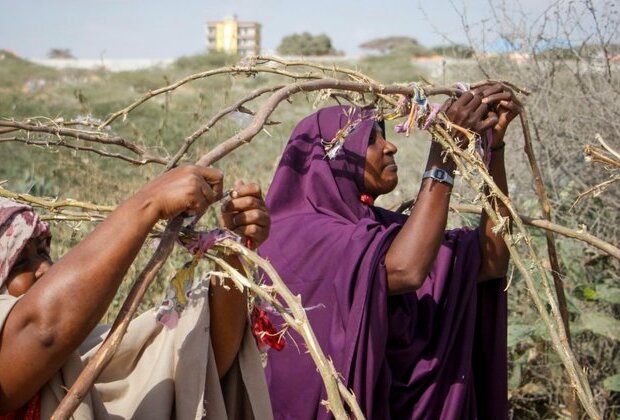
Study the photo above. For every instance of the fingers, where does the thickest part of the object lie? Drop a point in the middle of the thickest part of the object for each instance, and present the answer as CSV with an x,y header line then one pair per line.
x,y
511,106
209,196
245,212
255,217
488,122
244,197
490,105
478,114
214,178
488,90
468,111
247,190
254,224
464,99
242,204
495,98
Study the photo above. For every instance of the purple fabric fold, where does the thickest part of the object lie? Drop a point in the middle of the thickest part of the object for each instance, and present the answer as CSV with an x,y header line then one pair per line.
x,y
430,354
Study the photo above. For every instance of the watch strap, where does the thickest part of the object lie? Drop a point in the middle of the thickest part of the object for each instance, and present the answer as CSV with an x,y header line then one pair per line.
x,y
439,175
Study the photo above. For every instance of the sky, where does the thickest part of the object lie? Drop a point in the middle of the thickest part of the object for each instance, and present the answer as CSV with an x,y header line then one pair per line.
x,y
170,29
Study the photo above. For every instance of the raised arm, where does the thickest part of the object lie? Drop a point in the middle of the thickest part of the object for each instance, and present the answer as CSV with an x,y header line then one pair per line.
x,y
56,314
495,255
246,214
414,249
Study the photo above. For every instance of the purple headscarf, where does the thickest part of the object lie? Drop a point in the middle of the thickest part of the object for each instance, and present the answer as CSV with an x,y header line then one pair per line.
x,y
18,224
429,354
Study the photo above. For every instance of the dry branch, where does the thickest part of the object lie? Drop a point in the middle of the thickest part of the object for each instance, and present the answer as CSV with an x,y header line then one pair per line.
x,y
246,135
232,70
60,131
597,155
469,166
554,261
297,320
581,235
615,154
53,205
207,126
607,157
104,153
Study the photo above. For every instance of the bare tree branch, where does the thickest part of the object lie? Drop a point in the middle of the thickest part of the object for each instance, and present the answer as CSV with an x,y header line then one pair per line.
x,y
53,205
554,261
247,70
60,143
207,126
59,130
545,224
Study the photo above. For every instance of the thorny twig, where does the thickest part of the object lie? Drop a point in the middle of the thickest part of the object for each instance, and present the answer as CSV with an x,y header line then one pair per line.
x,y
545,224
607,157
579,234
295,318
62,143
207,126
469,166
60,131
53,205
232,70
554,261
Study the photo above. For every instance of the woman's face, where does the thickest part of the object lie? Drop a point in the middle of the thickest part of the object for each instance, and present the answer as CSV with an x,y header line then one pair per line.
x,y
380,171
32,263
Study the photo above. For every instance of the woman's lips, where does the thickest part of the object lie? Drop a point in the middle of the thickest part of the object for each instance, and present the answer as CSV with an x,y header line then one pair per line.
x,y
391,167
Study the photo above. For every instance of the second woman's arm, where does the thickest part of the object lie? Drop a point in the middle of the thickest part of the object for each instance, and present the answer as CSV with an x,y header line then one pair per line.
x,y
414,249
56,314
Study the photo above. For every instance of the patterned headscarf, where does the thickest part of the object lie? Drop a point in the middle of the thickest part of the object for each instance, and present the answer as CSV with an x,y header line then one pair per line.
x,y
18,224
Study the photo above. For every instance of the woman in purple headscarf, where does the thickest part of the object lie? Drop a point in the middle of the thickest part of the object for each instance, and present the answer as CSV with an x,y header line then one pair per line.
x,y
414,318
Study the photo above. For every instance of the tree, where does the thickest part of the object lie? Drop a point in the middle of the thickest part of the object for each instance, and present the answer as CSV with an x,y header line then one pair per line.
x,y
60,53
306,44
454,51
394,44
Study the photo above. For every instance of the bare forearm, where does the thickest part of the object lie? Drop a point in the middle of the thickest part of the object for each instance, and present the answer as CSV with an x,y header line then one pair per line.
x,y
53,318
86,279
228,309
495,254
415,248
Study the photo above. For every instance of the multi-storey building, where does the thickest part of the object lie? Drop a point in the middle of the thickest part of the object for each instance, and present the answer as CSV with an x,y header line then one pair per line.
x,y
233,36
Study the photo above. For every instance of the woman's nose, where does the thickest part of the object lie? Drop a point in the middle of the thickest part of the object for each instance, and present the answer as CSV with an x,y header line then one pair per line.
x,y
390,148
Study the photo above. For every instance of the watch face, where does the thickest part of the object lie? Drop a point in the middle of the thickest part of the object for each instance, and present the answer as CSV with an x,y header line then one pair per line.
x,y
440,174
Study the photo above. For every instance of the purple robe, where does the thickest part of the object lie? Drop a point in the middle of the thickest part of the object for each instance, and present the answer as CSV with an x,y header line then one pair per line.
x,y
438,353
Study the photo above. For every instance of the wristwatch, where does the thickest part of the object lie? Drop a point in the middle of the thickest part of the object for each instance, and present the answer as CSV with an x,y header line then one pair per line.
x,y
439,175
